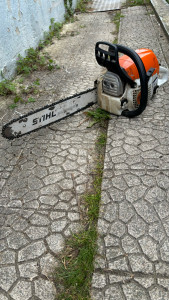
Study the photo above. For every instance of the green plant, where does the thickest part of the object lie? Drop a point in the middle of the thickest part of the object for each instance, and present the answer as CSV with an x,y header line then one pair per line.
x,y
12,106
50,65
21,80
31,99
115,41
98,115
116,20
77,269
54,30
36,82
32,62
137,2
7,87
18,99
69,15
101,141
82,5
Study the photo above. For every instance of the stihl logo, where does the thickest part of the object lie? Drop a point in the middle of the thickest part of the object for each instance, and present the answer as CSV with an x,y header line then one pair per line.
x,y
43,118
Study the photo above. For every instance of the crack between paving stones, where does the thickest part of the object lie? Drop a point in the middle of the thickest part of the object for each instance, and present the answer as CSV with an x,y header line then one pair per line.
x,y
132,275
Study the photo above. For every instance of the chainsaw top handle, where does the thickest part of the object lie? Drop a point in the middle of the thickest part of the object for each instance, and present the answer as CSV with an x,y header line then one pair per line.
x,y
110,60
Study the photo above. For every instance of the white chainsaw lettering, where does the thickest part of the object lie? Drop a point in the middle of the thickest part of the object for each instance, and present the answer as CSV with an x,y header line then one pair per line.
x,y
43,118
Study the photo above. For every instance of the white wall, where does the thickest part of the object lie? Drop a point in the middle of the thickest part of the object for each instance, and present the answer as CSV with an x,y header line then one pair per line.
x,y
22,25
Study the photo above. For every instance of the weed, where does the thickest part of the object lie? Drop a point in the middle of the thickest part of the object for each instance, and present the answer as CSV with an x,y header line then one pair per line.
x,y
7,87
116,20
12,106
21,80
36,82
98,115
32,62
31,99
54,30
18,99
81,5
101,141
69,15
137,2
115,41
50,67
77,269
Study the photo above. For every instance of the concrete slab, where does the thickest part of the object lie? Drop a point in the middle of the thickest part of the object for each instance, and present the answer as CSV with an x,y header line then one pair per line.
x,y
161,8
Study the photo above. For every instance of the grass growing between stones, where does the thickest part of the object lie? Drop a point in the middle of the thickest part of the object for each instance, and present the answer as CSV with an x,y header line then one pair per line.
x,y
81,5
116,20
7,87
74,274
137,2
98,116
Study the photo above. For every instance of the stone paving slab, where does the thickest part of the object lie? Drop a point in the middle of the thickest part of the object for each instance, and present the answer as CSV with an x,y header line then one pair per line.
x,y
43,179
133,257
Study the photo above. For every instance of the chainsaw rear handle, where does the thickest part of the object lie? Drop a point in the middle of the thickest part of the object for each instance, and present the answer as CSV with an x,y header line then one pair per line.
x,y
164,76
110,60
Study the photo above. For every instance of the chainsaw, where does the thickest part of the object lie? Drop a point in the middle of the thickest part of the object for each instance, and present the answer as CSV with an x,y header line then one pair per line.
x,y
131,79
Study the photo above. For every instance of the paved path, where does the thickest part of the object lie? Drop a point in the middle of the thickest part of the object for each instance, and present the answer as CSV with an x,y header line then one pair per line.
x,y
133,246
43,175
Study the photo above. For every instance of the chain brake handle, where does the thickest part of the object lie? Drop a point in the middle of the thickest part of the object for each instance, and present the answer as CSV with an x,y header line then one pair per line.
x,y
110,60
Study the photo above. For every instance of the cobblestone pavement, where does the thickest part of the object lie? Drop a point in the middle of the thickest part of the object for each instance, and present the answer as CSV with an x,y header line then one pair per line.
x,y
43,175
133,247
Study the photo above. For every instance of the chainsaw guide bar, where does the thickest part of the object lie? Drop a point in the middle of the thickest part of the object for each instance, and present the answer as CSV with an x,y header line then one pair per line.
x,y
49,114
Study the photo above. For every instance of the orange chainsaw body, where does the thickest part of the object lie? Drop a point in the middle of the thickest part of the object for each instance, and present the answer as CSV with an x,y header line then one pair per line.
x,y
148,58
